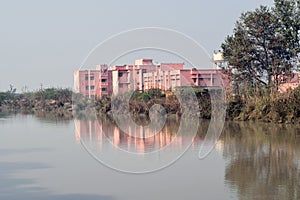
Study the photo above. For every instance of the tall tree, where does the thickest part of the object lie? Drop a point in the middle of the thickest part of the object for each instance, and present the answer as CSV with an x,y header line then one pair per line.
x,y
256,52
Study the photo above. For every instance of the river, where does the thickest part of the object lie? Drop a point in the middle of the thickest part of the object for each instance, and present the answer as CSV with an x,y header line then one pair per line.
x,y
84,159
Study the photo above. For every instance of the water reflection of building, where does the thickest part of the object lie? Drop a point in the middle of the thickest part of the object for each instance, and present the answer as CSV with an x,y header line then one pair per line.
x,y
137,139
220,146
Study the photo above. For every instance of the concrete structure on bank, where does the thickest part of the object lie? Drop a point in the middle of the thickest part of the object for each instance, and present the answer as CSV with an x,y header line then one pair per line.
x,y
144,75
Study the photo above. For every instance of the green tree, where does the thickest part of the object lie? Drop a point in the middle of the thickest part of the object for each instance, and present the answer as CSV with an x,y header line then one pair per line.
x,y
256,51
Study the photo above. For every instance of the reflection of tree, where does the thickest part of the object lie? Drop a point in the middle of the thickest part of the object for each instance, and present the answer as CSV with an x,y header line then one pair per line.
x,y
262,160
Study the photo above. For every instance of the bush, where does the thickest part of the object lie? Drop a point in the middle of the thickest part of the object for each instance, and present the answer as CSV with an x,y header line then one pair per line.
x,y
54,94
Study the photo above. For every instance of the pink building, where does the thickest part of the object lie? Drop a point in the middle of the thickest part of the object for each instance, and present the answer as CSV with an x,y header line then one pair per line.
x,y
144,75
287,83
93,83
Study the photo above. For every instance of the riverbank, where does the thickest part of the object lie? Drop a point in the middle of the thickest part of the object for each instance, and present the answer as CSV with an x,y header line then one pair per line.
x,y
53,108
280,108
52,102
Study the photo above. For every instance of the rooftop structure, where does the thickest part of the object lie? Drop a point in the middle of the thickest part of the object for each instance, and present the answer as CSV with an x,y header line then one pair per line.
x,y
219,60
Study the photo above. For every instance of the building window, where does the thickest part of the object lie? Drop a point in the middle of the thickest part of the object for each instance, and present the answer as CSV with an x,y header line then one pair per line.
x,y
103,80
103,89
86,87
92,87
120,74
86,77
92,78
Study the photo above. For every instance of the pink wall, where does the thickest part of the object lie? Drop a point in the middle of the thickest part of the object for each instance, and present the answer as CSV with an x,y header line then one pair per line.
x,y
171,66
93,83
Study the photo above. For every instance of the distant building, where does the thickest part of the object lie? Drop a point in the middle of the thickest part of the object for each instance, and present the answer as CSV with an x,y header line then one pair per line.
x,y
144,75
290,82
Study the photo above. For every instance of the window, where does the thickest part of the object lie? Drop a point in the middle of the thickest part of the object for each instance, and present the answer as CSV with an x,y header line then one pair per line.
x,y
92,87
120,74
86,87
103,89
103,80
92,78
86,77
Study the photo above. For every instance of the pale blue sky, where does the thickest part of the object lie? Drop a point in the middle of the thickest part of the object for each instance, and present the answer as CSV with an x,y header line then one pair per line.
x,y
45,41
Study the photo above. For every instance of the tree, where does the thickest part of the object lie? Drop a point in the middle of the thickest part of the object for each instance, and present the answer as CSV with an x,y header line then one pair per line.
x,y
12,89
256,51
236,50
287,13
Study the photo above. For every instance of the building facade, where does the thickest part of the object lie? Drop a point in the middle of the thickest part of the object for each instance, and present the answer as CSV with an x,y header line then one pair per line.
x,y
93,83
169,79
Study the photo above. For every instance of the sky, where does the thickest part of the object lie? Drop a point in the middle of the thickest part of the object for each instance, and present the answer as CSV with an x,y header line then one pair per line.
x,y
43,42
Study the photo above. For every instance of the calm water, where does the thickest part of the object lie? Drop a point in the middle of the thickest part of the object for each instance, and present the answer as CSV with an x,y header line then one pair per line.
x,y
48,159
